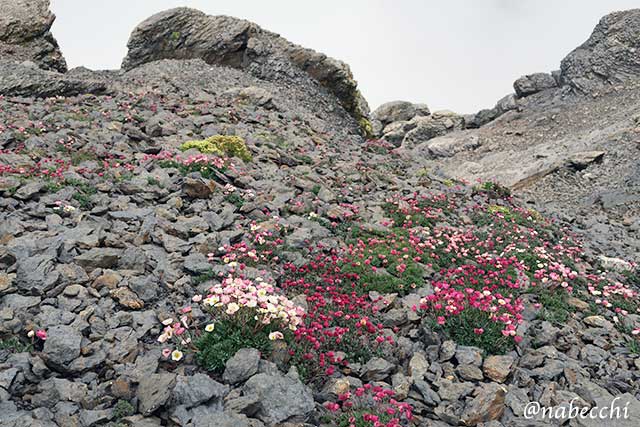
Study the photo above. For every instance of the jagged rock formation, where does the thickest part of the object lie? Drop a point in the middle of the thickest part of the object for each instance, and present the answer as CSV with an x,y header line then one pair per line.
x,y
609,57
25,36
184,33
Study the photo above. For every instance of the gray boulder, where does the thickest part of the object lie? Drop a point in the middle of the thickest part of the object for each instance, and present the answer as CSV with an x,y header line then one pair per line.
x,y
609,56
62,346
533,83
506,103
195,390
36,274
241,366
422,109
394,111
437,124
377,369
99,258
447,145
154,391
281,398
481,118
25,36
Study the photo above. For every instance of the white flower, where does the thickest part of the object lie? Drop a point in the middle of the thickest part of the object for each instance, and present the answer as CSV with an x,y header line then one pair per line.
x,y
176,355
276,336
232,308
167,322
30,334
210,327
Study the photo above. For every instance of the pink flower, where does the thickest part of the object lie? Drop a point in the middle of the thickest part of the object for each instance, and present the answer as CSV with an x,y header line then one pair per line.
x,y
440,320
478,331
331,406
166,352
42,334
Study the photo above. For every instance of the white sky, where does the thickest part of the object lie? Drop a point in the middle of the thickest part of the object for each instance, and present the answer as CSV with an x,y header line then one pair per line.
x,y
461,55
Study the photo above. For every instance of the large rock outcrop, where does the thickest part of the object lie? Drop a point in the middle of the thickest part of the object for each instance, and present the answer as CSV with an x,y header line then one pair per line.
x,y
611,55
25,35
184,33
28,80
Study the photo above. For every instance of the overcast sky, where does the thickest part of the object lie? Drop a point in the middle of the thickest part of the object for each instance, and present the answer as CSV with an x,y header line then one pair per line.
x,y
460,55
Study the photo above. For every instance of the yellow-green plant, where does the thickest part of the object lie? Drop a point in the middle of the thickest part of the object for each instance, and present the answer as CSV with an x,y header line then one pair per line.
x,y
366,127
499,209
222,145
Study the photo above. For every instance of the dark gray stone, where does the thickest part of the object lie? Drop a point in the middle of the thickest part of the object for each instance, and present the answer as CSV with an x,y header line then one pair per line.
x,y
281,398
243,365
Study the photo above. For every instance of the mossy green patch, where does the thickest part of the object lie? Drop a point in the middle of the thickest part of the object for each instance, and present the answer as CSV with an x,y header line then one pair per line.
x,y
222,145
366,127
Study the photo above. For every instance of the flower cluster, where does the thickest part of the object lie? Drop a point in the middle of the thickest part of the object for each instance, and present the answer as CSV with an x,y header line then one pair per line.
x,y
266,306
486,287
339,324
208,165
369,405
251,307
177,331
196,160
261,246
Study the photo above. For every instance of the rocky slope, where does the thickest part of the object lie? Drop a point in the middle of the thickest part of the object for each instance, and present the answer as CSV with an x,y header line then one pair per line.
x,y
567,140
152,218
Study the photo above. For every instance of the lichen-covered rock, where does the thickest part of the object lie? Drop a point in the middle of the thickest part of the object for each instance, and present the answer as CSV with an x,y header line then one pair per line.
x,y
608,57
25,36
184,33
